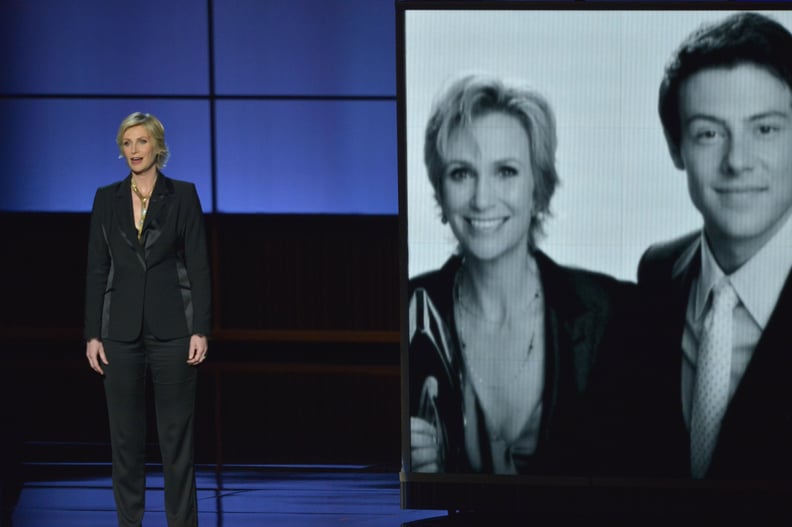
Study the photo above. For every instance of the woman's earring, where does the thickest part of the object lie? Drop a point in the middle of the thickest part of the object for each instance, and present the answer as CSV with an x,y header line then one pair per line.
x,y
443,219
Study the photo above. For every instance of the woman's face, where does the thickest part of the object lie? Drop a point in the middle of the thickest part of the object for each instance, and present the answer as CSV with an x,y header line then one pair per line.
x,y
139,149
487,186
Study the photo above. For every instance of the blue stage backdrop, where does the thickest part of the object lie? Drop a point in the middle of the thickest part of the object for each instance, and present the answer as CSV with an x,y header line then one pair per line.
x,y
269,106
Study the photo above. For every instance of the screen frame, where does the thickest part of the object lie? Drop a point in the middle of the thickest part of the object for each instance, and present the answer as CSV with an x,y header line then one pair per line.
x,y
467,492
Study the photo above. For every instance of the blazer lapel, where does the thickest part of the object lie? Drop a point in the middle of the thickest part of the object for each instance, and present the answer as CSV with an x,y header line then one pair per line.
x,y
157,213
668,298
125,218
685,269
760,412
567,327
664,440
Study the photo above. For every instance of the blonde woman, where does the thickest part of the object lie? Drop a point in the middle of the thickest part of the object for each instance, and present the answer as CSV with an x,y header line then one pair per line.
x,y
147,312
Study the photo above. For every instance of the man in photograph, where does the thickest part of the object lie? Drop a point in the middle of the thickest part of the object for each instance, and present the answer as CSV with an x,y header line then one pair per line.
x,y
722,296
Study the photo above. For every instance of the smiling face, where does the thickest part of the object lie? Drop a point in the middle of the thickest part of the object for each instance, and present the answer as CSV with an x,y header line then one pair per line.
x,y
487,186
737,150
140,150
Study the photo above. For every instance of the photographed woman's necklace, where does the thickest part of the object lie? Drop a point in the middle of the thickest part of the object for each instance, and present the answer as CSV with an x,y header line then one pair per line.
x,y
504,362
144,205
496,352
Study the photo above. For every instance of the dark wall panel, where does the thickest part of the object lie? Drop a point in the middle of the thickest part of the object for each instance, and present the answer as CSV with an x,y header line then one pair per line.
x,y
298,272
312,273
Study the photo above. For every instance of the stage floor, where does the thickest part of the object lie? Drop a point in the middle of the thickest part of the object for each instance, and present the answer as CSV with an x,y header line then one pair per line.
x,y
80,495
73,495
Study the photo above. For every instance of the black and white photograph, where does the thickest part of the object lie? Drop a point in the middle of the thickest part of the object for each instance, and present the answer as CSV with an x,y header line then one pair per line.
x,y
598,242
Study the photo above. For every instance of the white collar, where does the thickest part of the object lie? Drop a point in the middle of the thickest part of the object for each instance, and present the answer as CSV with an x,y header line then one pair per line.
x,y
758,282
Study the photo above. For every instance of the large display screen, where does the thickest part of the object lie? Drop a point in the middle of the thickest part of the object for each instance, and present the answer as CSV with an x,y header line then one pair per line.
x,y
520,309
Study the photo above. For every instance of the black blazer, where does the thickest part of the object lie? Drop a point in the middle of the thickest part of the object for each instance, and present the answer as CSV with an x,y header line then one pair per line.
x,y
756,432
583,314
163,280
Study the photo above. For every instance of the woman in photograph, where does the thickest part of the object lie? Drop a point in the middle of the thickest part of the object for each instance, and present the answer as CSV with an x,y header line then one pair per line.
x,y
147,311
502,339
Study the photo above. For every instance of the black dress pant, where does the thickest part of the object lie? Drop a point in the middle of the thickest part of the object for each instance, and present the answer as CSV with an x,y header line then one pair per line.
x,y
174,383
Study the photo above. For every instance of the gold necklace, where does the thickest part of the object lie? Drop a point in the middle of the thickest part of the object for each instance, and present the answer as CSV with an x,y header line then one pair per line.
x,y
144,203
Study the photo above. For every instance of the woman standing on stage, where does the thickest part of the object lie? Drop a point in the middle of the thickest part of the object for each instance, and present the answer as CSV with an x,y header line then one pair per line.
x,y
147,311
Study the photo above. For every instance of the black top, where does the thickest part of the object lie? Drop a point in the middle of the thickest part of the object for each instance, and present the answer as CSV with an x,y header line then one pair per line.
x,y
585,313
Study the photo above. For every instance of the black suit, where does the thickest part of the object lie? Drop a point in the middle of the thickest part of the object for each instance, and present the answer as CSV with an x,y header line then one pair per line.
x,y
584,315
164,277
755,439
144,300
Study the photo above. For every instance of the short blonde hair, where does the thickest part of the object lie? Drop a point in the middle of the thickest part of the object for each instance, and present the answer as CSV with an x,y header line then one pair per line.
x,y
153,126
474,95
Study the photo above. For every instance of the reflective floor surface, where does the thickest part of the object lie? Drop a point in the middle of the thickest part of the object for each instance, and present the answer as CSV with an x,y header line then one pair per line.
x,y
81,496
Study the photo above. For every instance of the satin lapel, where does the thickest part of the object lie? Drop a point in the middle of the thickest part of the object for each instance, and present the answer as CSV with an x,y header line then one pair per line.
x,y
158,209
125,218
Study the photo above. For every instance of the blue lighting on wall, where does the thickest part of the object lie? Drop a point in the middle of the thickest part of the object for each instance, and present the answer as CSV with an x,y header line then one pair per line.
x,y
279,107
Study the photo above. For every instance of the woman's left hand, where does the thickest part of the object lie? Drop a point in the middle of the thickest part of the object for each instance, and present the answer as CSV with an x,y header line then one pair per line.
x,y
199,348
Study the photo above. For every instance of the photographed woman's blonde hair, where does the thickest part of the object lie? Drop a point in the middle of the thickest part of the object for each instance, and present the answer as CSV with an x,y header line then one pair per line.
x,y
474,95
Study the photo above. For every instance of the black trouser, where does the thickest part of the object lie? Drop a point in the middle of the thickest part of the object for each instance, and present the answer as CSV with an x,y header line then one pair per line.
x,y
174,383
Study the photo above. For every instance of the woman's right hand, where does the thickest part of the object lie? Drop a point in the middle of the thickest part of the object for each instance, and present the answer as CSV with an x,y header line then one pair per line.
x,y
94,351
425,446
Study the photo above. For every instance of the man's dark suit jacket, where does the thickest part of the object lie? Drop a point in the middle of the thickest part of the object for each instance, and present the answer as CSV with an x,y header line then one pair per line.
x,y
163,280
584,312
756,433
